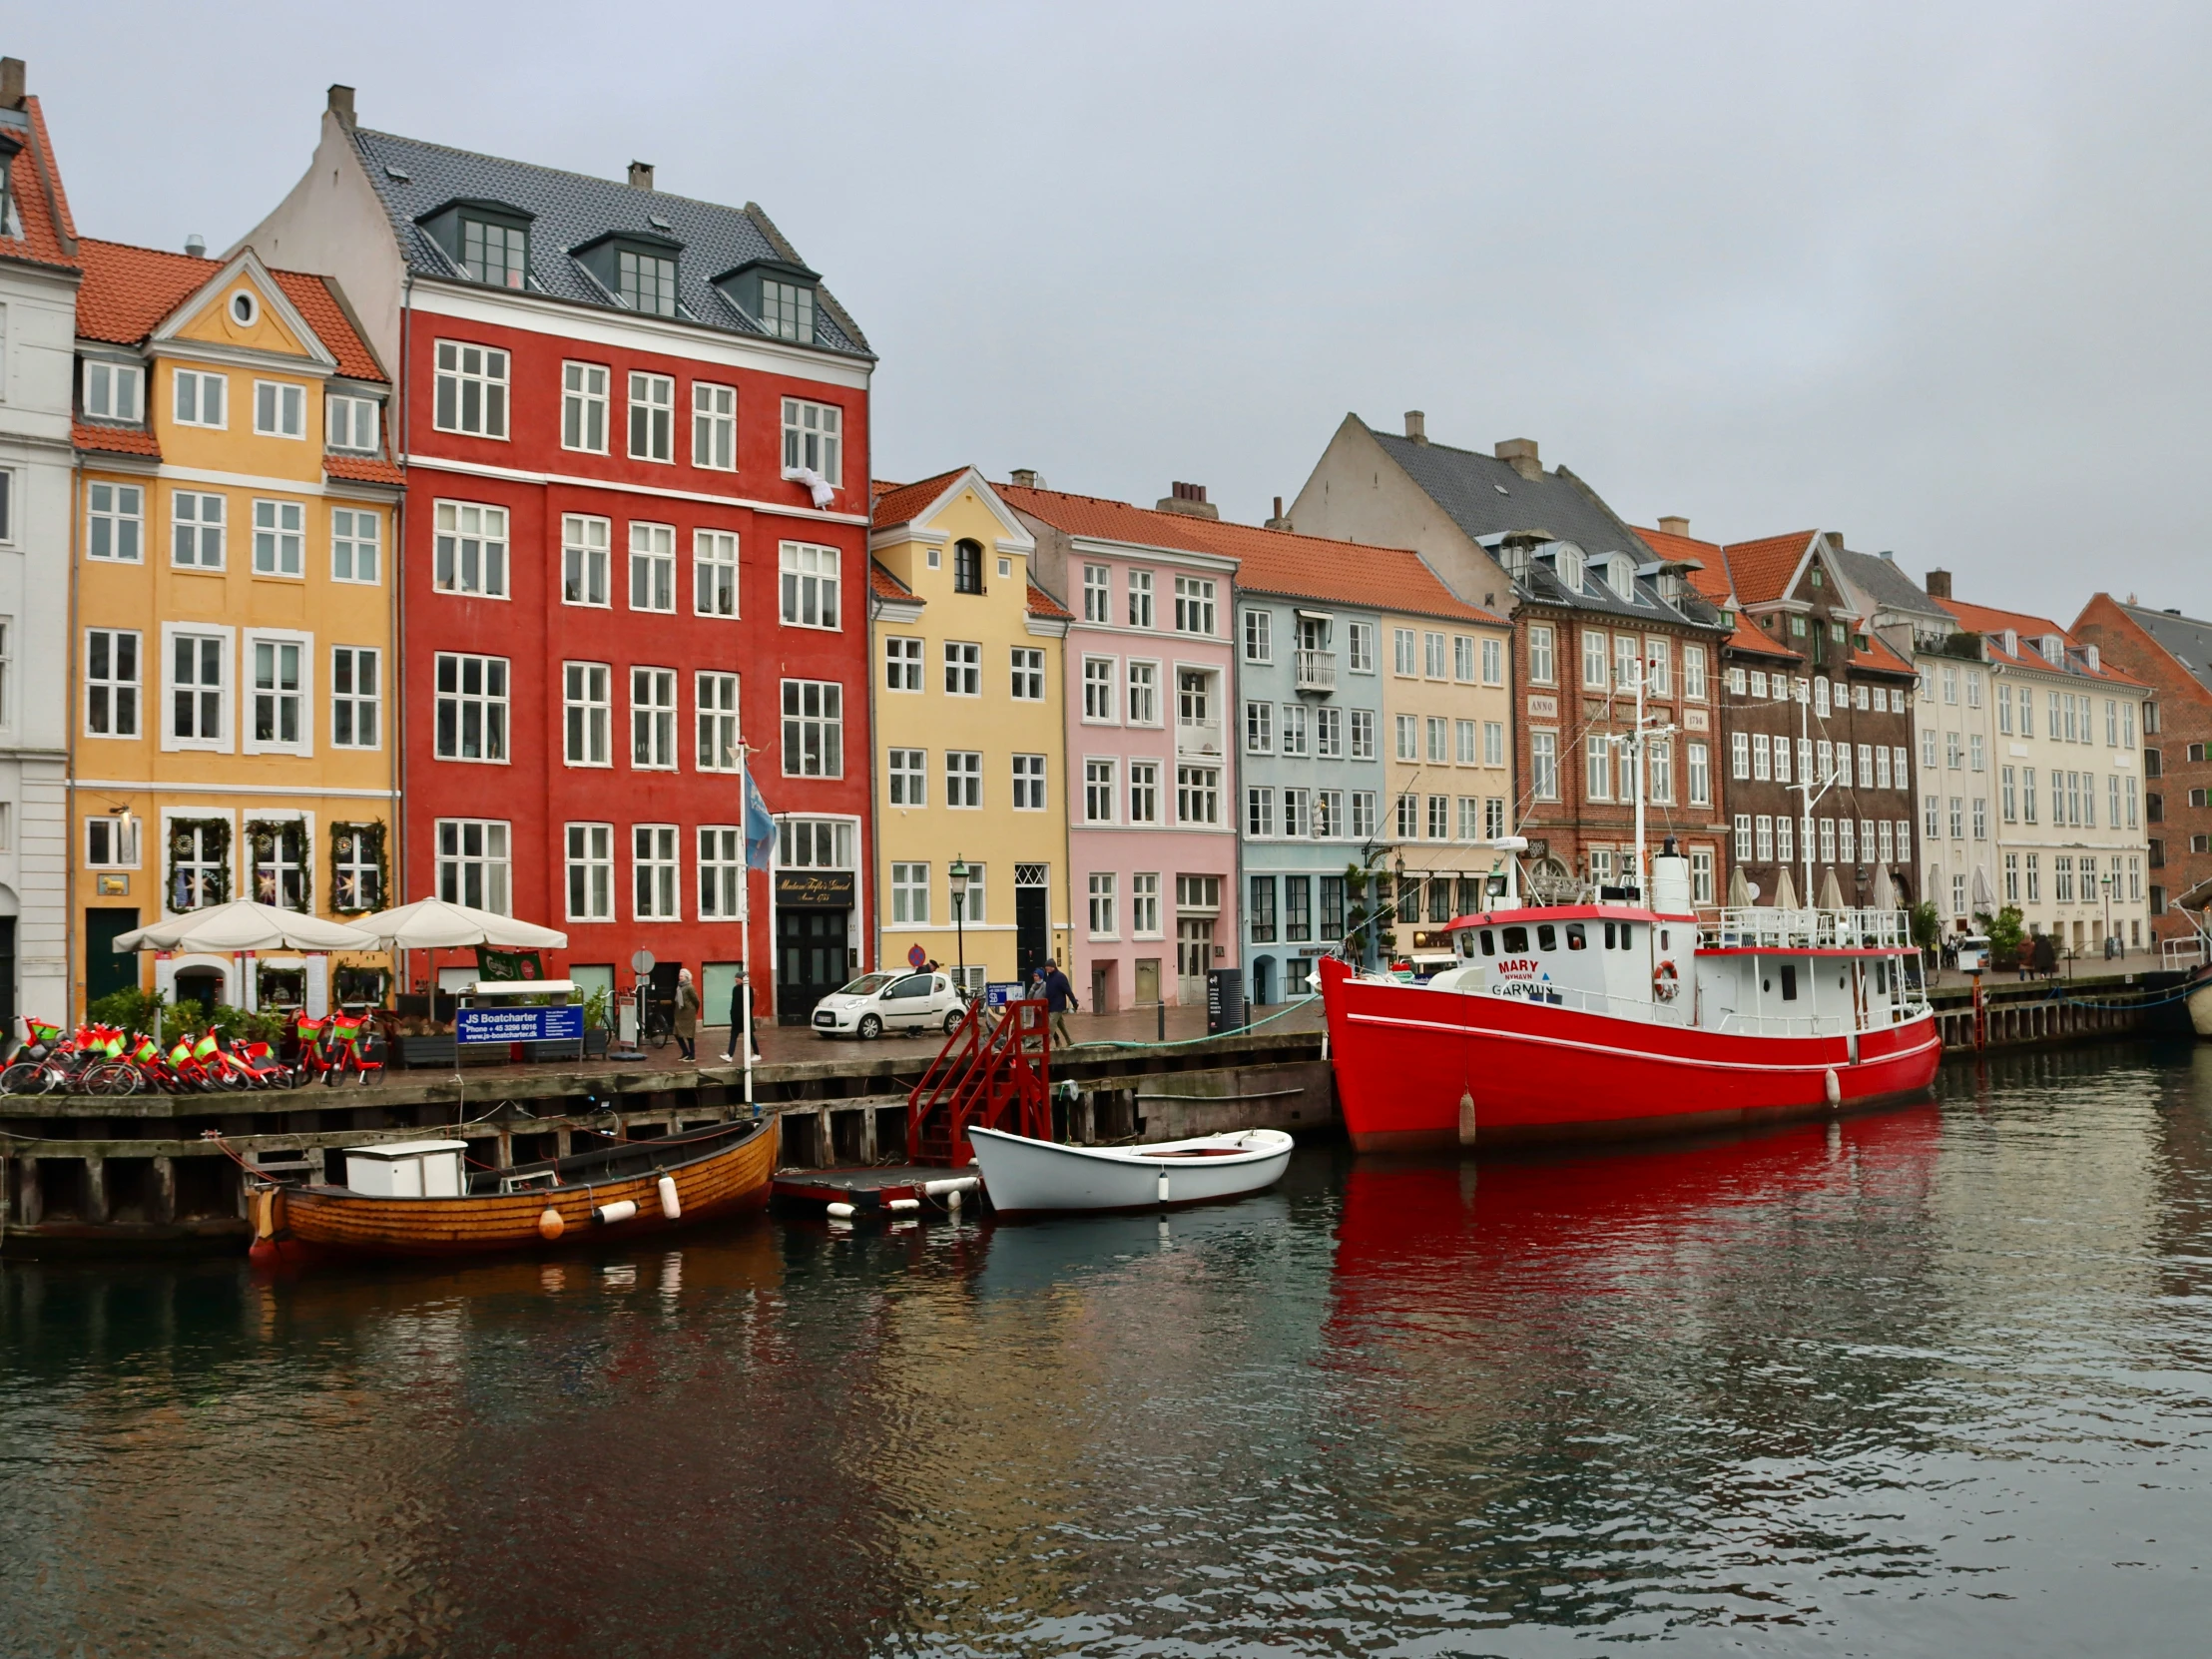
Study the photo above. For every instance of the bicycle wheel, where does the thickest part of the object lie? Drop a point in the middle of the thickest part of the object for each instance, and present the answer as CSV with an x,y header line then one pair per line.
x,y
110,1078
658,1030
25,1077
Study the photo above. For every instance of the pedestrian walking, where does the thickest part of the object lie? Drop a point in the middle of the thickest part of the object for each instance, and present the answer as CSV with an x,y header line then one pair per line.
x,y
687,1015
741,993
1059,997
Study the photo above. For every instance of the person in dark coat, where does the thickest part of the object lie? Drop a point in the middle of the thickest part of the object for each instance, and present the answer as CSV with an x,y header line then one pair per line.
x,y
739,992
687,1015
2047,955
1059,997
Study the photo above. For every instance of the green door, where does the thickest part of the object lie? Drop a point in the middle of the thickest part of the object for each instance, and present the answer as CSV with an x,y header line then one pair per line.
x,y
106,972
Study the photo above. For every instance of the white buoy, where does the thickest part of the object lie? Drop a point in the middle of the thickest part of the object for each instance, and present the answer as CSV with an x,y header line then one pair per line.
x,y
841,1212
1163,1186
952,1200
899,1204
621,1210
1835,1089
671,1205
957,1184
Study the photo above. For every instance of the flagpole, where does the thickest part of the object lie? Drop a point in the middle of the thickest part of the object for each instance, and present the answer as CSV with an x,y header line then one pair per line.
x,y
745,913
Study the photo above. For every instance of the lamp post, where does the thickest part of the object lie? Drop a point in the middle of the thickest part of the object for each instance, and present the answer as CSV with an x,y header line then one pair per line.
x,y
959,874
2109,881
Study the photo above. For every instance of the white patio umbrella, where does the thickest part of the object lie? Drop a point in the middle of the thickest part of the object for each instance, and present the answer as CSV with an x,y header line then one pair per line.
x,y
438,924
245,924
1884,891
1739,889
1831,895
1785,892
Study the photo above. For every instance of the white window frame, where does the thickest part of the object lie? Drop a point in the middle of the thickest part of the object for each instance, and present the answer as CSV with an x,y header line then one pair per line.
x,y
463,365
715,588
652,412
111,842
360,533
652,587
902,663
1100,688
1098,593
224,743
655,707
120,511
199,380
714,426
656,873
810,585
200,528
1144,791
112,390
115,684
1025,673
587,714
494,709
907,774
1194,609
824,721
716,722
814,436
454,526
963,780
1101,786
588,850
280,528
1029,782
909,894
964,668
584,407
1103,916
346,662
587,553
286,409
1141,686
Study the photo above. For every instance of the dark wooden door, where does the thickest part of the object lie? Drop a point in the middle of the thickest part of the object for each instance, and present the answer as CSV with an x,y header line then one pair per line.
x,y
105,971
1032,929
810,962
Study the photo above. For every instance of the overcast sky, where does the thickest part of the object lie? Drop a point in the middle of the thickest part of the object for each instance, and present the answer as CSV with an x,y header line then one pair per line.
x,y
1934,275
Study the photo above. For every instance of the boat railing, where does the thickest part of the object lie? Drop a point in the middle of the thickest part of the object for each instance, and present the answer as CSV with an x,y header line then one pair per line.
x,y
1683,1012
1764,928
2176,954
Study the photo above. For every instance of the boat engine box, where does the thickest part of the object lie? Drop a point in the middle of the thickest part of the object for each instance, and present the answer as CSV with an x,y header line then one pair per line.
x,y
406,1169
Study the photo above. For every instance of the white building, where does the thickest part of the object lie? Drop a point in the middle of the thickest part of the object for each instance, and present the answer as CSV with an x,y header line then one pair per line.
x,y
38,340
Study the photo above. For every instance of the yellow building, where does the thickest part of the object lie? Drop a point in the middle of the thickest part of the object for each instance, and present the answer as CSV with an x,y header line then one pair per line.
x,y
969,734
231,657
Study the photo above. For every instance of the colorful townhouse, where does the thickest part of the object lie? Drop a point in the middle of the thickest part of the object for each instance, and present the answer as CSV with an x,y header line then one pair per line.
x,y
38,274
971,729
635,554
233,730
1151,771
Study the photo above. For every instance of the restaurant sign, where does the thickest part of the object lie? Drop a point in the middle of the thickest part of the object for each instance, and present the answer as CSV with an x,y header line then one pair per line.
x,y
819,888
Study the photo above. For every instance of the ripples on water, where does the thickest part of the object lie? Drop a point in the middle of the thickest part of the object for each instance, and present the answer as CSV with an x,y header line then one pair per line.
x,y
1931,1381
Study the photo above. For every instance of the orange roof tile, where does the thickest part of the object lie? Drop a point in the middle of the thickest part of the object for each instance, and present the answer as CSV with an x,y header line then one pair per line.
x,y
1269,561
47,230
1761,570
129,290
1670,546
1043,604
1991,623
884,585
898,504
113,440
363,470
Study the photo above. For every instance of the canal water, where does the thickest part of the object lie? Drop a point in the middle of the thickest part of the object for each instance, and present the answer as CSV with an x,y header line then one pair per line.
x,y
1928,1382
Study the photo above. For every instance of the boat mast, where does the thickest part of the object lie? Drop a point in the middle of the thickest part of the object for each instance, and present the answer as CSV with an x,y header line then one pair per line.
x,y
1641,890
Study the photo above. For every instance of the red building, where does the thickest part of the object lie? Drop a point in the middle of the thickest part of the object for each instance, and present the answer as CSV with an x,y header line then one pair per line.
x,y
635,433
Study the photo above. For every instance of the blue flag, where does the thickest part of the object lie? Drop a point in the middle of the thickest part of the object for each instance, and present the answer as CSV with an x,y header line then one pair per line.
x,y
760,827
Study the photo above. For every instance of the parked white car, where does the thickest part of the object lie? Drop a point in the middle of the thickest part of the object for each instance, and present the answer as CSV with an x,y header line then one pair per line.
x,y
878,1002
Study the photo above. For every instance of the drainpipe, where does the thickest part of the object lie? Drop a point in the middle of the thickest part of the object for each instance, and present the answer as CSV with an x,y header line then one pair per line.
x,y
396,836
74,945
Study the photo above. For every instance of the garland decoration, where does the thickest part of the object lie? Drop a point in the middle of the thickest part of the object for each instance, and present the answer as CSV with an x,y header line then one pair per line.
x,y
184,834
263,836
350,842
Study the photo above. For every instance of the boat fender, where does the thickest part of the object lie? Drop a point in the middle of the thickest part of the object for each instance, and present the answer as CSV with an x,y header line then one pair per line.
x,y
905,1203
269,1211
622,1209
1467,1118
1163,1186
952,1200
958,1184
550,1225
1835,1089
670,1207
841,1212
1665,981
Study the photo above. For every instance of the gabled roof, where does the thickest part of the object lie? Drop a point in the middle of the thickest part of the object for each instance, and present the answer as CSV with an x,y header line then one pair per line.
x,y
1761,570
1269,561
1991,624
570,209
900,503
1487,497
129,292
49,234
1886,588
1711,578
2186,640
1044,604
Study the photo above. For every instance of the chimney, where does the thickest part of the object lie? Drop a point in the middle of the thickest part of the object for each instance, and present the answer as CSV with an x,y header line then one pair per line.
x,y
1939,584
641,175
1416,426
1279,522
1521,455
1673,524
11,83
1026,479
196,246
1188,498
341,105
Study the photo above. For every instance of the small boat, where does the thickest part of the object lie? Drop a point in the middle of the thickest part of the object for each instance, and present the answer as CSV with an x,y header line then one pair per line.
x,y
416,1199
1024,1176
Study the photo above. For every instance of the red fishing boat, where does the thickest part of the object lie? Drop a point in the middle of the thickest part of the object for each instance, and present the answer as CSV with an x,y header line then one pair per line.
x,y
1620,1018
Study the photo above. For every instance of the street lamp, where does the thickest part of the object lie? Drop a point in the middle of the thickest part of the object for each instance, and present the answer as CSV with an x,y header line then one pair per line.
x,y
959,874
2109,881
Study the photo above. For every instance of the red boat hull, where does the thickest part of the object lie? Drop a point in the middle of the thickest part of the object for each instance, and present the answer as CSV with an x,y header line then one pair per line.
x,y
1406,1057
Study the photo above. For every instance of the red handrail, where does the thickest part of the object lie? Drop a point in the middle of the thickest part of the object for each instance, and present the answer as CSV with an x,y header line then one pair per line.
x,y
992,1073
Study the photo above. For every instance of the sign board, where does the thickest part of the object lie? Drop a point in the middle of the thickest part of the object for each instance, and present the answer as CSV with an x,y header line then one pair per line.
x,y
917,957
641,961
820,889
1541,706
115,886
519,1025
998,993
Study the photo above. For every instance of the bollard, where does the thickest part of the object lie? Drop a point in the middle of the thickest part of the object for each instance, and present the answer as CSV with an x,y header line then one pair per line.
x,y
1162,1007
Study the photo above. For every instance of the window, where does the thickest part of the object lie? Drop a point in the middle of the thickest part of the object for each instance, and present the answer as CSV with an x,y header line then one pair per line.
x,y
1597,780
1103,921
1404,643
197,688
111,391
1901,766
1701,775
584,407
1194,605
279,411
2008,796
811,437
1659,666
2027,794
1262,917
1782,761
1259,728
199,399
473,862
2034,879
1819,697
1976,761
1866,764
1692,685
1980,819
1329,733
1626,665
1544,766
648,281
909,776
111,682
1539,654
471,390
1462,657
1297,908
714,573
1144,694
1098,687
1364,821
1743,837
1098,594
652,417
717,697
471,720
279,858
1098,791
714,426
652,718
1433,655
1293,730
354,546
1297,820
968,567
1957,818
111,844
585,714
469,551
495,253
1027,674
911,894
280,538
1194,695
1144,791
1407,728
196,527
1493,662
1439,740
652,873
653,567
1764,836
1328,814
1259,811
115,521
1784,830
1739,756
357,696
1259,628
969,896
964,669
591,871
810,585
964,778
1471,818
1359,647
1198,795
1596,672
2061,879
1029,782
788,310
1140,599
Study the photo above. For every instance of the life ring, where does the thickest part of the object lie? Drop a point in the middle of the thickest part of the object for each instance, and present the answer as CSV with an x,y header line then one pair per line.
x,y
1665,981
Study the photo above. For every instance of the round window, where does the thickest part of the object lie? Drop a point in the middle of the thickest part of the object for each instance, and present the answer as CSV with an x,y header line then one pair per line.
x,y
244,307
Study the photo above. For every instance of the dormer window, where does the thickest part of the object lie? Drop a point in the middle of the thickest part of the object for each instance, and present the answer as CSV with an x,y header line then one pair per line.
x,y
778,294
351,422
2054,650
1621,575
1568,563
2012,642
495,253
788,310
636,267
112,391
648,281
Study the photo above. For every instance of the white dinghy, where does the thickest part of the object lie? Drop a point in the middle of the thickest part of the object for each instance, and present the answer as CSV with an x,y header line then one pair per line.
x,y
1026,1176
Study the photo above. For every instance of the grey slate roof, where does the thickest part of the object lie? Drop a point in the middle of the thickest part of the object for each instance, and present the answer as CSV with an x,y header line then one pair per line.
x,y
1486,498
571,209
2186,640
1891,589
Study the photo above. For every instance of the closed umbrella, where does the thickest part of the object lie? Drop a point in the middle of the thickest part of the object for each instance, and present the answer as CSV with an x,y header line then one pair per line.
x,y
1885,891
1739,889
1784,893
439,924
1831,895
245,924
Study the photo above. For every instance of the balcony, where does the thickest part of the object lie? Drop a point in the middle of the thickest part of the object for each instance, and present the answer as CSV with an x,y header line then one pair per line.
x,y
1316,671
1198,737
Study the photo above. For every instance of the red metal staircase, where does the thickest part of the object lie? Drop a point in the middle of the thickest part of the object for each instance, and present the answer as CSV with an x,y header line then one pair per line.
x,y
994,1070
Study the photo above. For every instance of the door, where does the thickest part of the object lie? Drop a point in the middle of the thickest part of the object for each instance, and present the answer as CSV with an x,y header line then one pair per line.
x,y
105,971
810,962
1148,980
1194,954
1102,987
1032,929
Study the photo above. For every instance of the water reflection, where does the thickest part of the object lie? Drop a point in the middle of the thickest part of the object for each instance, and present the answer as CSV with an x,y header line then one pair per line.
x,y
1927,1380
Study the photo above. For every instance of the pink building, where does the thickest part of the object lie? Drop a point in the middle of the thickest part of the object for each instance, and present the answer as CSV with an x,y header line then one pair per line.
x,y
1152,789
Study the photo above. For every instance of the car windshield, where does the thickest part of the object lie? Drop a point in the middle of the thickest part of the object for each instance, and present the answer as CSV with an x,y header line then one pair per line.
x,y
869,984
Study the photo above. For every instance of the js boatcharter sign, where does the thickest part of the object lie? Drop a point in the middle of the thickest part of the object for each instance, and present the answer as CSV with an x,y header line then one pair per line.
x,y
518,1025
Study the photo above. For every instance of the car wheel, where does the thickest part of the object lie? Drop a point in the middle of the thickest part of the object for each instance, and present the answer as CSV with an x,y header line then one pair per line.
x,y
952,1018
869,1027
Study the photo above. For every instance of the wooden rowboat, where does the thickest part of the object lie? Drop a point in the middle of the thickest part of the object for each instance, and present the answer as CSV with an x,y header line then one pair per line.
x,y
1023,1176
627,1189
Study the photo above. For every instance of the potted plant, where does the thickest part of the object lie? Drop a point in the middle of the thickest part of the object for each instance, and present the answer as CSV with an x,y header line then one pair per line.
x,y
595,1033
